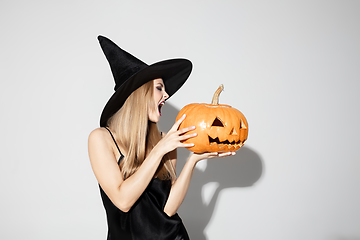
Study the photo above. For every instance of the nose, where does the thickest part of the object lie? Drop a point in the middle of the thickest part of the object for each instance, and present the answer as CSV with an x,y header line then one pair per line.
x,y
166,96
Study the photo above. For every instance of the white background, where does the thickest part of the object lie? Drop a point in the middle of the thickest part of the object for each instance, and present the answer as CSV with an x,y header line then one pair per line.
x,y
292,67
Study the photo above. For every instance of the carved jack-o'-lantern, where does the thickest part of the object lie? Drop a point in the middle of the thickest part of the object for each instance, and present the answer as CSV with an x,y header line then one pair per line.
x,y
219,127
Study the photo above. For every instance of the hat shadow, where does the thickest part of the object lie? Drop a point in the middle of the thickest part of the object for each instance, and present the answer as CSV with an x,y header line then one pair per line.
x,y
241,170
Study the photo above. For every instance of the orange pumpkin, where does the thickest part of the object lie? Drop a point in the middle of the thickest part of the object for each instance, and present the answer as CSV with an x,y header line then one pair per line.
x,y
219,127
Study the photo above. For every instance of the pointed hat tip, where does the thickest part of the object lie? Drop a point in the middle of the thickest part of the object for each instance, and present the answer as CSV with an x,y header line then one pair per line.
x,y
100,38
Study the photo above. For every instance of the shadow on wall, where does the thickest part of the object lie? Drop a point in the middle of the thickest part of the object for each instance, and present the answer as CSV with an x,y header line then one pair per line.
x,y
241,170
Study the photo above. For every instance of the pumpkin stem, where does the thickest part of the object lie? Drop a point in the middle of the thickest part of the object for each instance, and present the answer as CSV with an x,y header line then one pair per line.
x,y
215,100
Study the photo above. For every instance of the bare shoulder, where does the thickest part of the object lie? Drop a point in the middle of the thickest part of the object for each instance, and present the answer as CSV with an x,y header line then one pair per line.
x,y
103,160
98,134
99,142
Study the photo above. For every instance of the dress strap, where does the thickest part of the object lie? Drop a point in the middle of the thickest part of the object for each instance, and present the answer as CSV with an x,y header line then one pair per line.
x,y
112,136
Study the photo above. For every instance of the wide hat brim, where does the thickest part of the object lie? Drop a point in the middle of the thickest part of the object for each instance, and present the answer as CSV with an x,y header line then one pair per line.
x,y
174,73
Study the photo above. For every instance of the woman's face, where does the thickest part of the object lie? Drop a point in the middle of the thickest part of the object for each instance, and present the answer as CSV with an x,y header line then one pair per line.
x,y
160,96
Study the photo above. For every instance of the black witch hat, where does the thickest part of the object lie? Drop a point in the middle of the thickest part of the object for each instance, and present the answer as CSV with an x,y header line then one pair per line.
x,y
130,73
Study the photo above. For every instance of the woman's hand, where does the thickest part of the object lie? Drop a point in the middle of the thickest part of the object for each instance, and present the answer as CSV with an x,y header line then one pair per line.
x,y
201,156
174,138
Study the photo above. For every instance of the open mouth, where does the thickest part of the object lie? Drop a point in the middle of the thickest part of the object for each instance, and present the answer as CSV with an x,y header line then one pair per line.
x,y
160,106
222,144
217,141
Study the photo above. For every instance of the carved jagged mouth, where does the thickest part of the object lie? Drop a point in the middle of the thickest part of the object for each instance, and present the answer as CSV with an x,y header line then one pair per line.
x,y
217,141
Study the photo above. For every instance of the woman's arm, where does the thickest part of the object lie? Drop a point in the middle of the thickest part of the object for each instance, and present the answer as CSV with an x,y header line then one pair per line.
x,y
181,185
124,193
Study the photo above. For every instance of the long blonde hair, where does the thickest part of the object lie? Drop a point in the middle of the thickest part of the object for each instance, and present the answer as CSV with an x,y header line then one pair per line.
x,y
137,134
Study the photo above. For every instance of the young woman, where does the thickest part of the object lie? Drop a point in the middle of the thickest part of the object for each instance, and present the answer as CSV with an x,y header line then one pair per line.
x,y
133,162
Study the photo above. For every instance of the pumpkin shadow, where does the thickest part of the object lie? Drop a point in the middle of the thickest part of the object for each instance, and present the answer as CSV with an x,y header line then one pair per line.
x,y
239,171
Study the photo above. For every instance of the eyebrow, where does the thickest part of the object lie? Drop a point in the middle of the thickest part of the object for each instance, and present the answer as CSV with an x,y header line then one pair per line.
x,y
161,84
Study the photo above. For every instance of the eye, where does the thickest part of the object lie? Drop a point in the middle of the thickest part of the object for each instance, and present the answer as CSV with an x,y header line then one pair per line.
x,y
217,123
159,88
233,132
242,124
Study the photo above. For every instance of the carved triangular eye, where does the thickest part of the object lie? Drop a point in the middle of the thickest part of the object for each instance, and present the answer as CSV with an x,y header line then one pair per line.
x,y
217,123
242,124
233,132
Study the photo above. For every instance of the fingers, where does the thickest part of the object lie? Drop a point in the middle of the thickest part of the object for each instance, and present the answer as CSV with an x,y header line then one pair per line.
x,y
186,145
187,136
176,137
226,154
216,154
178,122
176,126
212,154
184,130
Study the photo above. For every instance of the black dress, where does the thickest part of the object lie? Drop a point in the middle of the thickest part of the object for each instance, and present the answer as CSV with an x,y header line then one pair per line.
x,y
146,220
